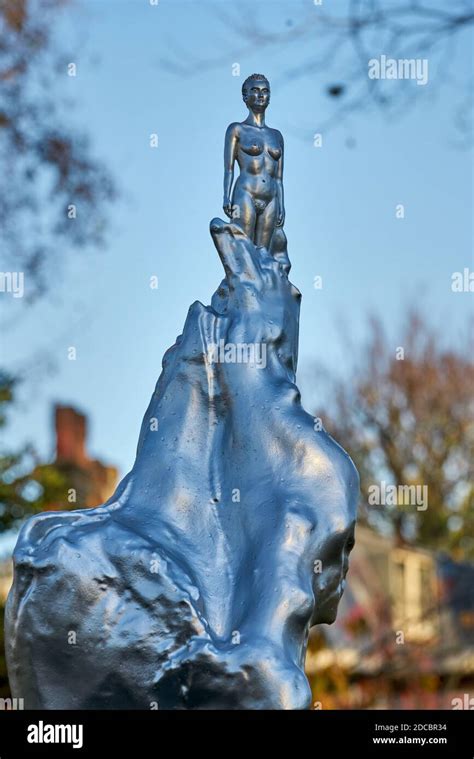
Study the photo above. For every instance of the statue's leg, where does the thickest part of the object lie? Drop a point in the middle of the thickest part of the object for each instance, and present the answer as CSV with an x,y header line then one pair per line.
x,y
243,212
266,224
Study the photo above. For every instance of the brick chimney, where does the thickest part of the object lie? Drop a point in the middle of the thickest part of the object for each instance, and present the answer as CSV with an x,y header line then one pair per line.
x,y
71,429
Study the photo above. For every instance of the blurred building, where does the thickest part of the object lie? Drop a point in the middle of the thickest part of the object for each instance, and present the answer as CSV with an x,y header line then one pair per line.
x,y
404,636
92,481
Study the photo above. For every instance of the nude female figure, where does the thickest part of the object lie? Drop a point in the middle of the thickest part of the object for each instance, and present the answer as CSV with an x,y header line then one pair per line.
x,y
256,201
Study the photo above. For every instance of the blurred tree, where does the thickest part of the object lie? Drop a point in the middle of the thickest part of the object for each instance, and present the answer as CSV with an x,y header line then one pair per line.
x,y
406,417
24,487
335,41
55,193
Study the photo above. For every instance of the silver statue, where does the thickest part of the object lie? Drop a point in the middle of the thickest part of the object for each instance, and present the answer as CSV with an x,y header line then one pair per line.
x,y
196,584
256,202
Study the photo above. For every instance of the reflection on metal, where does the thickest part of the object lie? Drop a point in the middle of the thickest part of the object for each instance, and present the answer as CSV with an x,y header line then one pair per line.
x,y
195,585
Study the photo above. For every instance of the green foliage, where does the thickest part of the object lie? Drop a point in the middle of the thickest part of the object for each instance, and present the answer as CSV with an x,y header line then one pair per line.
x,y
25,488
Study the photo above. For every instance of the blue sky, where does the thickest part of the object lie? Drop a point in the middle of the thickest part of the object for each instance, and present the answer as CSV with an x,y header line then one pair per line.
x,y
340,209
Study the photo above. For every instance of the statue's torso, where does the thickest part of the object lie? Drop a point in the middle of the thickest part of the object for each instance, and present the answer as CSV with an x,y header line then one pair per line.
x,y
259,150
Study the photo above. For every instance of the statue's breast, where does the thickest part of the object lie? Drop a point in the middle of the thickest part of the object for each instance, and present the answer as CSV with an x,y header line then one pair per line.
x,y
254,147
274,152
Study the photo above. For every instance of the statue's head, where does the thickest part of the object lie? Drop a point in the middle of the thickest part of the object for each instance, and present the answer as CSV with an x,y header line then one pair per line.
x,y
256,92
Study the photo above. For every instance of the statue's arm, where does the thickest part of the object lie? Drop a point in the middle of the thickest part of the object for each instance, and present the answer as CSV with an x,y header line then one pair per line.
x,y
279,181
230,154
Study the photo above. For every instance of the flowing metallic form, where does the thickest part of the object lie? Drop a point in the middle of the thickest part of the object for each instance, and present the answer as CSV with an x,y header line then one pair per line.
x,y
196,584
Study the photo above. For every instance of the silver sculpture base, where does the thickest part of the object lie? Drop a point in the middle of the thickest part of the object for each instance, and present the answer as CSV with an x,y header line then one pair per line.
x,y
195,585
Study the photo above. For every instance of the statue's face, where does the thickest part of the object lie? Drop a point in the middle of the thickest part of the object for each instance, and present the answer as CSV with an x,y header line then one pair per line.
x,y
258,95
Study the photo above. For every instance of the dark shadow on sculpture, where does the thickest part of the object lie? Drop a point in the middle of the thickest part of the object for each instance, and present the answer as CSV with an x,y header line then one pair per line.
x,y
195,585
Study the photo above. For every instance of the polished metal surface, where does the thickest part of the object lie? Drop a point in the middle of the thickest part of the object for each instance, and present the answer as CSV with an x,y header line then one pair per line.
x,y
255,203
195,585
